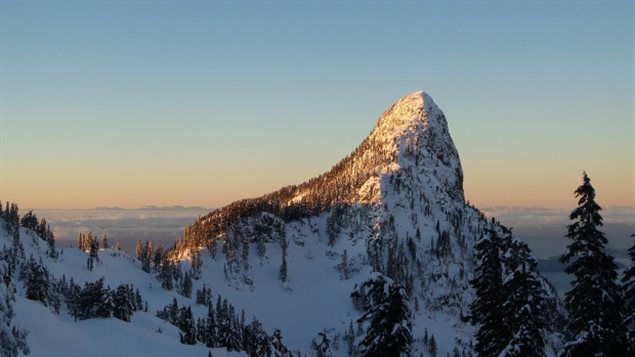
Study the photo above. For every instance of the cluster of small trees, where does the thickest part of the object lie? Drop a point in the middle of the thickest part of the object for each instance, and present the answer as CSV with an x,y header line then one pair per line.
x,y
223,327
41,229
95,300
169,273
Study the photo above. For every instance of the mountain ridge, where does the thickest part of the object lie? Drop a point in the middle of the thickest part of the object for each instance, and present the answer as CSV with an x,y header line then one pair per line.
x,y
412,133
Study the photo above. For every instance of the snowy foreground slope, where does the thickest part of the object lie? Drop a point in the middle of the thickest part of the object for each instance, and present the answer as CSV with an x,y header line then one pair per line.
x,y
291,259
53,334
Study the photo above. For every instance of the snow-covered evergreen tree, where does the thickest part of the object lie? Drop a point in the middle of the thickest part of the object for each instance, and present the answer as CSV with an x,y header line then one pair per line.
x,y
36,281
123,303
594,301
186,285
432,346
187,327
628,288
524,305
12,337
94,300
388,316
322,346
486,313
209,332
278,349
166,275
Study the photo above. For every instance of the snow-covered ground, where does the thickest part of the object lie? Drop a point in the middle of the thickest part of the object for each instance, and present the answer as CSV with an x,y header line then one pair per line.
x,y
59,335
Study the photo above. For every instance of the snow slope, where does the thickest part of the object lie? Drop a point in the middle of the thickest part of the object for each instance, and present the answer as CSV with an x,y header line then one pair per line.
x,y
60,335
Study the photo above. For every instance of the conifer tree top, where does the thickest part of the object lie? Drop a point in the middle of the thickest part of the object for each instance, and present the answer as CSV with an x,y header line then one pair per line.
x,y
587,210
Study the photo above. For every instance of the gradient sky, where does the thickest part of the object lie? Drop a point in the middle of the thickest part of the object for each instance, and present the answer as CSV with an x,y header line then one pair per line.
x,y
201,103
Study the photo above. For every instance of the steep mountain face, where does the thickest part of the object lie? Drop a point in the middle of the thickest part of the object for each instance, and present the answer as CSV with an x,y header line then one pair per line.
x,y
395,206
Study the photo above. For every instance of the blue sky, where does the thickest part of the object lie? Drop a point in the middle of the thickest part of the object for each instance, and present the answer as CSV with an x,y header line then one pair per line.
x,y
201,103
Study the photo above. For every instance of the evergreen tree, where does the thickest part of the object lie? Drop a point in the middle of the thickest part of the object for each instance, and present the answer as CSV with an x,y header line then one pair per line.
x,y
166,275
594,301
37,282
40,229
322,346
93,248
196,264
123,303
524,306
12,224
491,335
186,285
105,305
258,344
283,274
628,288
50,240
138,301
173,312
343,267
29,221
186,325
92,301
12,337
388,315
138,248
278,348
146,256
432,346
261,248
90,263
210,332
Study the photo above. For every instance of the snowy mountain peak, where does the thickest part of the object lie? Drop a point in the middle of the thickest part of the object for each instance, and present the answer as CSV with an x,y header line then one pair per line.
x,y
414,133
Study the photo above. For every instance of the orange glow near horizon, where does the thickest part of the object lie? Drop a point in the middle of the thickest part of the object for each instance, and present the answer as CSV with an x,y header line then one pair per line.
x,y
483,188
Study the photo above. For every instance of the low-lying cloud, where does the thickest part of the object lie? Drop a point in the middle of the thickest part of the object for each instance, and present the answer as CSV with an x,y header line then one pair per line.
x,y
544,229
160,225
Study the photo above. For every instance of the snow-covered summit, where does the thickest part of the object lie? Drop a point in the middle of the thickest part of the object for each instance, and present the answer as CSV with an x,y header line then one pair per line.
x,y
414,131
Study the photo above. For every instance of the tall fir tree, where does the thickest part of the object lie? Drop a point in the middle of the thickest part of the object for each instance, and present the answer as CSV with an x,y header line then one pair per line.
x,y
524,305
594,301
628,288
491,333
